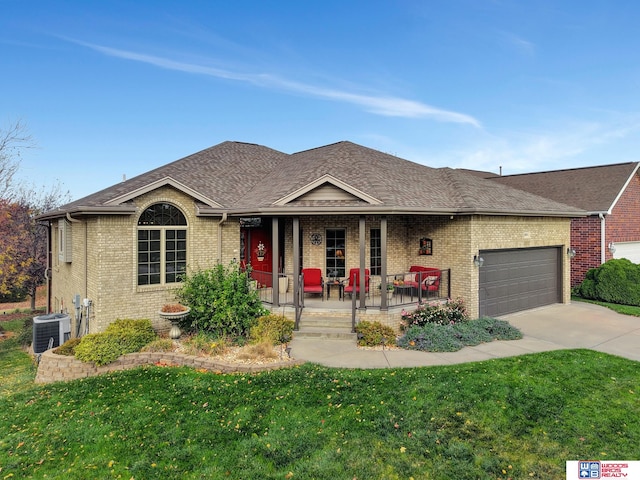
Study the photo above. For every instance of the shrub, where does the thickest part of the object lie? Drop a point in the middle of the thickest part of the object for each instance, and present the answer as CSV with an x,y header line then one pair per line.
x,y
159,345
272,328
68,348
121,337
498,329
615,281
203,343
432,337
221,301
25,335
258,351
448,313
470,333
371,334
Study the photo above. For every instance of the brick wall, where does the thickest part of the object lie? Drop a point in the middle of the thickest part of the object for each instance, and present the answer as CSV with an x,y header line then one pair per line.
x,y
623,225
585,239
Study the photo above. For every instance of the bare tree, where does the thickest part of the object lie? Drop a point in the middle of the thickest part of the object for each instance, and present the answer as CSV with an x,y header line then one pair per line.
x,y
13,140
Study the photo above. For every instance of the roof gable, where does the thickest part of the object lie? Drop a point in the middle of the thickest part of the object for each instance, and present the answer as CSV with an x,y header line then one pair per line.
x,y
327,189
163,182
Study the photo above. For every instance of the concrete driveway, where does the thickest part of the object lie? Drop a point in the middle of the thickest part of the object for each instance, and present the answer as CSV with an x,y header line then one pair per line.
x,y
581,325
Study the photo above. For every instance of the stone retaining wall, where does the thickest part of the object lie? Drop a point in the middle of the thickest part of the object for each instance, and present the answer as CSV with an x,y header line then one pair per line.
x,y
56,368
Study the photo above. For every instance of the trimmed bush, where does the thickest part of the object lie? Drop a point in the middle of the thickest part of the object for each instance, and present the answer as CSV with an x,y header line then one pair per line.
x,y
275,329
450,338
430,338
371,334
68,348
221,301
615,281
121,337
159,345
438,313
498,329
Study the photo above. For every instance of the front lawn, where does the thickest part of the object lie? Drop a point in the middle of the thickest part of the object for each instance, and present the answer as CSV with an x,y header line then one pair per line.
x,y
516,418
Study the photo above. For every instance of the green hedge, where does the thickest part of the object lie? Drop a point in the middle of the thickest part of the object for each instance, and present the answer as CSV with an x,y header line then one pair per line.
x,y
121,337
616,281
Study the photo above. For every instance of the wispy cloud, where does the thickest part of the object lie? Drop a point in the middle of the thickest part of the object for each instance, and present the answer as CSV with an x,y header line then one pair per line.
x,y
519,43
580,144
377,104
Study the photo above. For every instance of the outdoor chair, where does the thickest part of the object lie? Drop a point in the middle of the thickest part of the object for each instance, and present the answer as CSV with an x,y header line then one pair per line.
x,y
354,282
313,281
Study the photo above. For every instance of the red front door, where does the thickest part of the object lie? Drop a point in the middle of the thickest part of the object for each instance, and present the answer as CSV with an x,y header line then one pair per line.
x,y
258,252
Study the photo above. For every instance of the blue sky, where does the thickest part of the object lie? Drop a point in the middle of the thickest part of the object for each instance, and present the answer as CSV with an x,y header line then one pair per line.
x,y
117,88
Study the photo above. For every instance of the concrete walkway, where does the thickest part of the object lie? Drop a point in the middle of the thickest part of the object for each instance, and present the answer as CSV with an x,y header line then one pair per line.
x,y
554,327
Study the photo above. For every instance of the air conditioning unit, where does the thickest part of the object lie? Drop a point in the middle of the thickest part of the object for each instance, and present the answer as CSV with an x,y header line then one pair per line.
x,y
50,331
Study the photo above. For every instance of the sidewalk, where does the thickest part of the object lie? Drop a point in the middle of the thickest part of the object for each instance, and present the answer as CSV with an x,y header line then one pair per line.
x,y
554,327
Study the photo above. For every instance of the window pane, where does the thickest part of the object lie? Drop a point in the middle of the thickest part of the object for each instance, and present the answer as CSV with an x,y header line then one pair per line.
x,y
375,251
335,252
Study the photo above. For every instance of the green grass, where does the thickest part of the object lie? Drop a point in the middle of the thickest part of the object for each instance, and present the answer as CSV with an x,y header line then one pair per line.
x,y
17,369
623,309
510,418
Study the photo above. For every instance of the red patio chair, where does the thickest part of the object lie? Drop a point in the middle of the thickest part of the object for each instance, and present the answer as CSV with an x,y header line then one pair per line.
x,y
313,281
354,281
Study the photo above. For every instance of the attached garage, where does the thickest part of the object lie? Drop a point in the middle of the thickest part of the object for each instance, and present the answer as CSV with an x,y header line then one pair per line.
x,y
628,250
519,279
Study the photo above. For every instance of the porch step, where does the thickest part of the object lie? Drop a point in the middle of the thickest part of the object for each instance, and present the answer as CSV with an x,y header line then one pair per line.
x,y
337,327
325,333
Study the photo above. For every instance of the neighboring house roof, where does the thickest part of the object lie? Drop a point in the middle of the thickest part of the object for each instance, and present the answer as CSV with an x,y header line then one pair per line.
x,y
245,179
593,189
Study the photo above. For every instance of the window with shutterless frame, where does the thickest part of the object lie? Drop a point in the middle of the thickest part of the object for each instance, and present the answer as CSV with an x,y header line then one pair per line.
x,y
335,252
162,245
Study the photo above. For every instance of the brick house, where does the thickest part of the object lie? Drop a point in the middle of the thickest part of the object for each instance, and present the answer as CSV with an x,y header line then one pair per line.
x,y
610,194
335,207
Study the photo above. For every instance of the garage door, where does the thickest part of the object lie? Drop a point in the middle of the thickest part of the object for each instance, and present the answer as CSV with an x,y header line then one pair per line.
x,y
629,250
520,279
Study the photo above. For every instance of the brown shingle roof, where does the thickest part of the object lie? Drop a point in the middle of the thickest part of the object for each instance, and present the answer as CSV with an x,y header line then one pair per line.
x,y
594,189
241,178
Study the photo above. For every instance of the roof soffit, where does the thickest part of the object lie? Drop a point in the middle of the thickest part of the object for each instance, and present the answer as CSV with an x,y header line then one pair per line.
x,y
163,182
328,186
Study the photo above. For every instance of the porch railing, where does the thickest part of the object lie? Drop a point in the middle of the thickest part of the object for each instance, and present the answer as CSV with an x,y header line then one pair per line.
x,y
408,288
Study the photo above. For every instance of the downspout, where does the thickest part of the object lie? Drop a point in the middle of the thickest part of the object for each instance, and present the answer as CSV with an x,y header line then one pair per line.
x,y
603,231
222,220
47,272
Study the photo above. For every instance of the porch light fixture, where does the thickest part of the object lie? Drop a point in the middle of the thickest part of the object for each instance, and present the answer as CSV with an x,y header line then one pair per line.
x,y
612,248
571,252
478,261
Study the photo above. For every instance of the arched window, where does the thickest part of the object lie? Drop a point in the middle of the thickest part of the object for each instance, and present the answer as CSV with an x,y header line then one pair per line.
x,y
162,245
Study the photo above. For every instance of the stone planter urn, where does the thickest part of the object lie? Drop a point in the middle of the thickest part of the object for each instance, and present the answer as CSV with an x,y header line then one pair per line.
x,y
174,315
